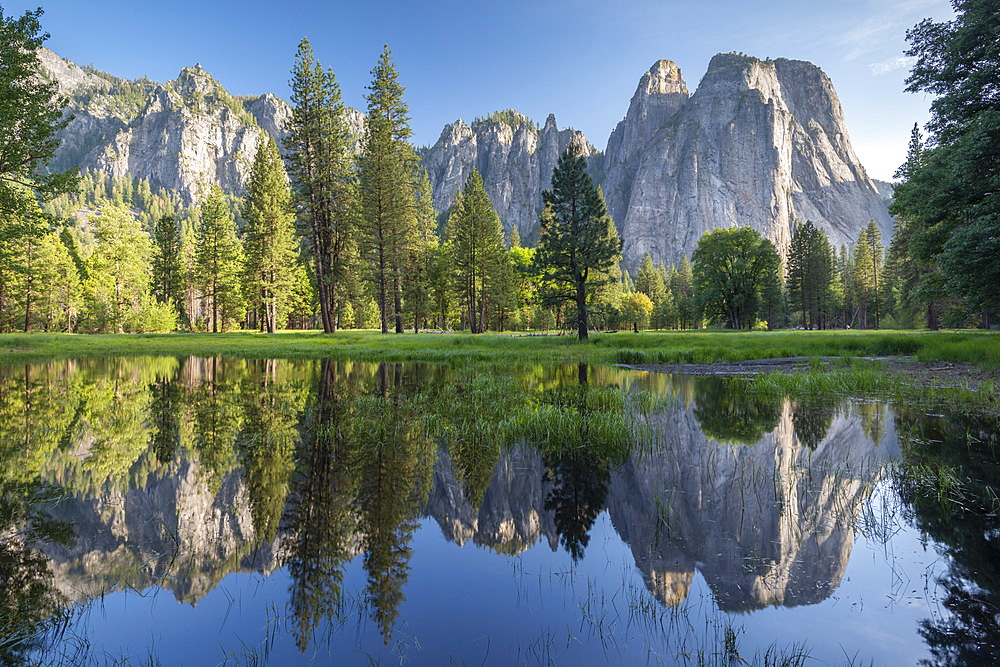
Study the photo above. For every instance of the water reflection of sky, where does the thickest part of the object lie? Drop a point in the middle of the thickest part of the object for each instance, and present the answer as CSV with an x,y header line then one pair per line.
x,y
480,605
659,548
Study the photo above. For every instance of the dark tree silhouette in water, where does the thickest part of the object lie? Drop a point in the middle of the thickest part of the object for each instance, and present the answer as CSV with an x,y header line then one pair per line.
x,y
394,466
165,408
319,519
970,630
267,443
579,483
811,420
729,416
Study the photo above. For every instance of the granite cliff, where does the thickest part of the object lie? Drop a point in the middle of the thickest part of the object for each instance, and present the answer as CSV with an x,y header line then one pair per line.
x,y
513,155
769,522
760,143
182,135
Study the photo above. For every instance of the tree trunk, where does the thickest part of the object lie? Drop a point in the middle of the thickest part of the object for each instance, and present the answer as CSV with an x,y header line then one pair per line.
x,y
397,296
215,306
581,308
381,286
875,271
334,289
27,294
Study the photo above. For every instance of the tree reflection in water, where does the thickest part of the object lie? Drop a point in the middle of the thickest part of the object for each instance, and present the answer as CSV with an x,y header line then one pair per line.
x,y
394,464
950,479
579,480
309,465
319,521
734,417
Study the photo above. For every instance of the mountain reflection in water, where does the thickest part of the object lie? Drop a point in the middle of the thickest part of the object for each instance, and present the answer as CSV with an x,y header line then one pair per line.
x,y
135,474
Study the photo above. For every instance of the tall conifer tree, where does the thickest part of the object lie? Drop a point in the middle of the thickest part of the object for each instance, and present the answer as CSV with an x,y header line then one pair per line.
x,y
218,259
387,187
269,247
319,169
477,250
168,281
576,243
420,259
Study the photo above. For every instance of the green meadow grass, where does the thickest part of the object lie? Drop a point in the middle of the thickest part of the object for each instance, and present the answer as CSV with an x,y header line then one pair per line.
x,y
869,379
980,348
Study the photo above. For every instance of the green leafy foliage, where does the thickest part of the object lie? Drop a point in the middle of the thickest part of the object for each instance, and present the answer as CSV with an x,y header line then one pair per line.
x,y
947,201
732,269
218,261
31,115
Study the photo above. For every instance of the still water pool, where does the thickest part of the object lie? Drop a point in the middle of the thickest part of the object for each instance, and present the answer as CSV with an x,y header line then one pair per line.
x,y
221,511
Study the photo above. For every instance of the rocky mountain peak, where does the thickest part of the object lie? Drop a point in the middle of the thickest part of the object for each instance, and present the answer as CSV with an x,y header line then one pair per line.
x,y
760,143
658,97
180,135
663,78
195,80
512,153
69,76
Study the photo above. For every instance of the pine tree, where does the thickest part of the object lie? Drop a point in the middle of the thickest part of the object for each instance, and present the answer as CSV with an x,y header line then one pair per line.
x,y
950,198
681,285
219,260
865,274
191,297
918,278
576,243
477,249
875,250
387,169
167,274
810,274
269,246
513,237
821,279
417,279
319,166
649,281
118,285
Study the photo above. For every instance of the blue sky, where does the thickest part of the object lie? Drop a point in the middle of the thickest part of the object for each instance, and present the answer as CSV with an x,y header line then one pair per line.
x,y
578,60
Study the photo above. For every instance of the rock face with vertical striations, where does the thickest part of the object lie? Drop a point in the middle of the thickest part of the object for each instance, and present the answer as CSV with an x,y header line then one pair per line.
x,y
660,94
513,155
183,135
761,143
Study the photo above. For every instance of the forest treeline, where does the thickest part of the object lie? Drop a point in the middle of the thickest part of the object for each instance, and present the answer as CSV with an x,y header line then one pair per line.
x,y
331,237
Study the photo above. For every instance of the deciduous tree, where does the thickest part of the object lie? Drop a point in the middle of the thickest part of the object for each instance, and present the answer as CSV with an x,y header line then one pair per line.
x,y
732,268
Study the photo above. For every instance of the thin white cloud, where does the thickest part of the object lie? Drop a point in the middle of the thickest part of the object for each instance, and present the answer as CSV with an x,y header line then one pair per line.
x,y
886,23
891,65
